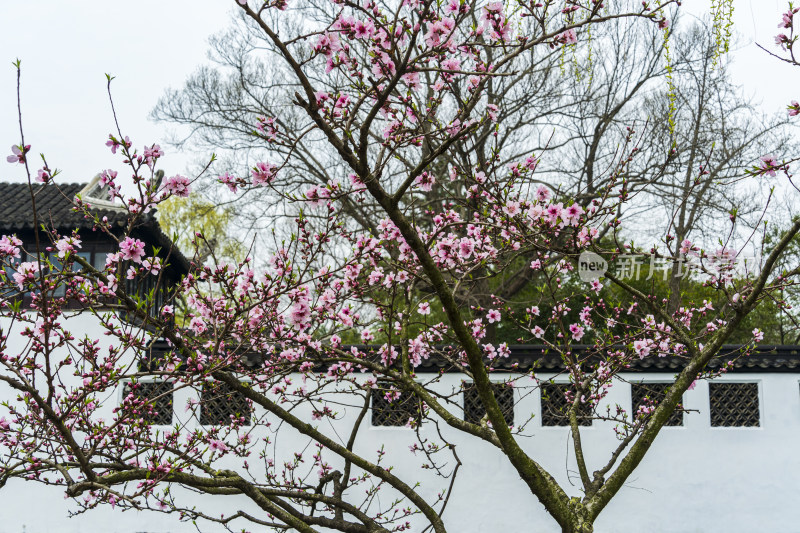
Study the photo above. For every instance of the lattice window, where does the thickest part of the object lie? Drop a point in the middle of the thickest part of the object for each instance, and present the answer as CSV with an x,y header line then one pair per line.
x,y
554,406
397,412
219,405
474,410
734,404
656,392
158,394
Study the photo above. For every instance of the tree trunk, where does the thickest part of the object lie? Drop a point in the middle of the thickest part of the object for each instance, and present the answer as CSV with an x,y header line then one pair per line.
x,y
581,523
584,527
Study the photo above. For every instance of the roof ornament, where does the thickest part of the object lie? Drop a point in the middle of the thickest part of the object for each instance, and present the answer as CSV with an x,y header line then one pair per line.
x,y
96,194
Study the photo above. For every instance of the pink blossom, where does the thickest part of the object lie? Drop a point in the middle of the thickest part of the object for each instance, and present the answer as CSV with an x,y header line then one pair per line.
x,y
218,445
267,127
43,175
113,143
452,6
437,31
554,211
152,265
9,246
39,330
178,185
383,66
152,153
768,165
25,273
596,286
786,19
317,195
466,247
18,154
493,316
642,348
263,173
392,395
107,177
131,250
511,208
451,64
301,313
345,316
569,37
758,335
572,214
794,108
67,245
321,97
197,325
327,44
542,193
493,19
577,331
425,181
412,80
342,101
492,111
230,181
375,276
363,30
424,308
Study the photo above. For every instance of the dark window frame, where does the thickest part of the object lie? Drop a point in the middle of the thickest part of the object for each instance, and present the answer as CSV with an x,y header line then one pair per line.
x,y
552,402
657,391
97,251
730,407
396,413
473,408
218,403
164,405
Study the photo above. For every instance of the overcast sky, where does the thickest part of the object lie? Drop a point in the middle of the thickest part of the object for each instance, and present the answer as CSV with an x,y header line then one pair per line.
x,y
66,49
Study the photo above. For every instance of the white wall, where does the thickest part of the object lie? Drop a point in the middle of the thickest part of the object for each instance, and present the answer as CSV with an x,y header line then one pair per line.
x,y
695,478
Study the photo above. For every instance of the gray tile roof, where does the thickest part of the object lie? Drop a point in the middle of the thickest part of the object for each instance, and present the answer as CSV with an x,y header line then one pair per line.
x,y
54,204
